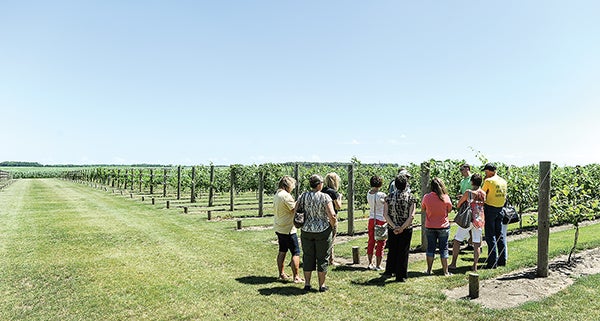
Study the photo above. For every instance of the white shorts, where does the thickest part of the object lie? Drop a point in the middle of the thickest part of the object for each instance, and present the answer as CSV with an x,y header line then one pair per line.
x,y
463,233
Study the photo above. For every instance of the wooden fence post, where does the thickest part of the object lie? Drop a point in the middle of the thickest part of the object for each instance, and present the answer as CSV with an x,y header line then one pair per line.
x,y
355,255
211,188
151,181
544,219
164,182
261,190
473,285
193,187
179,182
140,180
351,199
425,188
296,173
232,189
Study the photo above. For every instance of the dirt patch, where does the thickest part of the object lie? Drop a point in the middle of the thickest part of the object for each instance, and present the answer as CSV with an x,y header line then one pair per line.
x,y
521,286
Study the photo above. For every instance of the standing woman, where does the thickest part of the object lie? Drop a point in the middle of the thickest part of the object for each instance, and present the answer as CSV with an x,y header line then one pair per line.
x,y
399,212
319,222
375,198
436,206
332,185
283,206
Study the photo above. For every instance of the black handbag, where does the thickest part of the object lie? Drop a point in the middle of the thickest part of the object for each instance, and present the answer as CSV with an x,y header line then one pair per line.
x,y
509,215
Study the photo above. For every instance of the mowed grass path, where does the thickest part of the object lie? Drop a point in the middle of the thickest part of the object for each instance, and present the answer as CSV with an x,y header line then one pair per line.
x,y
69,252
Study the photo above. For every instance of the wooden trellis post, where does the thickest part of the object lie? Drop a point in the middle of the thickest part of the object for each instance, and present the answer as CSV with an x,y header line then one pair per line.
x,y
193,187
261,190
179,182
164,182
232,189
543,219
211,188
425,188
351,199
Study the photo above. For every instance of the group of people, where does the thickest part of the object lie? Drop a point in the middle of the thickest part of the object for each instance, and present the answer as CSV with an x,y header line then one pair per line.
x,y
396,210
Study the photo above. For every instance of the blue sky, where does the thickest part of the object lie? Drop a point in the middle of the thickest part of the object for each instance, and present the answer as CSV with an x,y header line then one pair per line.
x,y
194,82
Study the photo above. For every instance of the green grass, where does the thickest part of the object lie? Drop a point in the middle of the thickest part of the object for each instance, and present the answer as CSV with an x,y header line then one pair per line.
x,y
70,252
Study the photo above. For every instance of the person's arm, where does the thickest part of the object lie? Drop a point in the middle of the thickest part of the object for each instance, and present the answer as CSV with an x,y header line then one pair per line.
x,y
289,202
337,203
409,220
386,215
462,199
331,214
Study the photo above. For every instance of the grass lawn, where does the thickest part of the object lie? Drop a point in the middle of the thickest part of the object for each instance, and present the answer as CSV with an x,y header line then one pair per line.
x,y
70,252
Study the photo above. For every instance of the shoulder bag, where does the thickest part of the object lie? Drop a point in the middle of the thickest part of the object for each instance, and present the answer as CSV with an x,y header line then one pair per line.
x,y
381,231
465,214
299,214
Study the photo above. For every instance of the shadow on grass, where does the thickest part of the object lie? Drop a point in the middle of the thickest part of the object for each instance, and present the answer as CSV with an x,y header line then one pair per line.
x,y
255,279
283,291
382,280
349,267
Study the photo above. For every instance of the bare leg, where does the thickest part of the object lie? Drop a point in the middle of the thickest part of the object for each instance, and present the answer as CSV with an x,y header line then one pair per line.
x,y
445,266
379,258
455,251
370,257
429,264
280,259
296,268
475,255
321,278
307,275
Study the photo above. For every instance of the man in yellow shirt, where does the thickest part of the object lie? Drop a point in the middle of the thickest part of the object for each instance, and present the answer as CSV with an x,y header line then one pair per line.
x,y
495,188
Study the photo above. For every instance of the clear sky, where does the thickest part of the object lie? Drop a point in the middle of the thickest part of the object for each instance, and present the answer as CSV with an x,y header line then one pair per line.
x,y
249,82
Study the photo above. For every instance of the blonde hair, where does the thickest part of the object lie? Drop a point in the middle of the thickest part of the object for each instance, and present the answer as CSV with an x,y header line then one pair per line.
x,y
287,183
332,180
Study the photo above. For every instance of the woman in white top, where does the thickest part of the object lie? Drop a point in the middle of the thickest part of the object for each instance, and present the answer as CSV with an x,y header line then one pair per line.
x,y
376,200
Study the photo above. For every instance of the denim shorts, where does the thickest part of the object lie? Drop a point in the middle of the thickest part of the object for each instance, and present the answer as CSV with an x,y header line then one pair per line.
x,y
437,238
288,242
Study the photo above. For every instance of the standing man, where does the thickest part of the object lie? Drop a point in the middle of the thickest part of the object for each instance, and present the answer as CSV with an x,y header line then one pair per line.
x,y
495,188
465,182
392,187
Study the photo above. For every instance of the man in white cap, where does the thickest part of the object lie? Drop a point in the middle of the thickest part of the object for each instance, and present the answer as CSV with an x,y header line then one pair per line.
x,y
401,171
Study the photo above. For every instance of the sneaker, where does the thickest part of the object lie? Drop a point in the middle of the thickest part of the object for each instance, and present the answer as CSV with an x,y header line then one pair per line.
x,y
378,268
371,267
307,288
323,288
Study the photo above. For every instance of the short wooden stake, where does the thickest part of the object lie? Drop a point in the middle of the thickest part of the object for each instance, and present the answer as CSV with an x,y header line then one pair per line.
x,y
185,210
239,224
143,198
473,285
168,204
131,195
355,255
209,215
153,201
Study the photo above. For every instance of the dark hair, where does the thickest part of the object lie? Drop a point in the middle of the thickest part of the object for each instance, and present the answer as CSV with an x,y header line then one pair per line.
x,y
437,185
315,180
400,182
476,180
376,181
